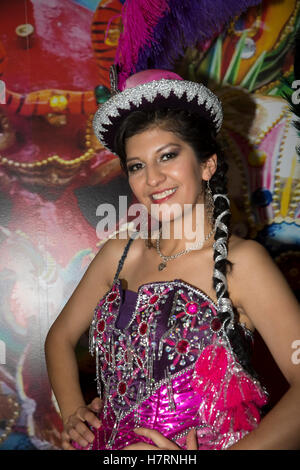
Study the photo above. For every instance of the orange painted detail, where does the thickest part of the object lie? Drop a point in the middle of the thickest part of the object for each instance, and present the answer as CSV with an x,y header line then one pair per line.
x,y
269,30
105,41
38,103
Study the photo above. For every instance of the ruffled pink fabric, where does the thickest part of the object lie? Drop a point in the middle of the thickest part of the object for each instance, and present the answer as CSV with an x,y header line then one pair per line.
x,y
230,397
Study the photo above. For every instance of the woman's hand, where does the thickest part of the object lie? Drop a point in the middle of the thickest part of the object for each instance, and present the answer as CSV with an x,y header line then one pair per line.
x,y
76,426
162,443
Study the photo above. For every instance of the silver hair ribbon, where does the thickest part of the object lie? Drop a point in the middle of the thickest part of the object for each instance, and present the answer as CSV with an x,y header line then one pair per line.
x,y
225,305
221,284
219,224
221,195
220,245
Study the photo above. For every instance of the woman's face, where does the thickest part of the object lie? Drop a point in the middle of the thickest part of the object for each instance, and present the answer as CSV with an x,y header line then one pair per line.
x,y
163,169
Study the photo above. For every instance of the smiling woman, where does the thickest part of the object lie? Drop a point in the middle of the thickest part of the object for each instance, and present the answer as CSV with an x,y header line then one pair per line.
x,y
173,337
171,168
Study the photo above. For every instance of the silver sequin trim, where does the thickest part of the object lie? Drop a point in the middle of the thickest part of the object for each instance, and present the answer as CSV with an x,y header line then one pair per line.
x,y
132,98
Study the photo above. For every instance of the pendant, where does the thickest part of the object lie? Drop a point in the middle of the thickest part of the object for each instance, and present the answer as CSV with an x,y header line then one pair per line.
x,y
161,266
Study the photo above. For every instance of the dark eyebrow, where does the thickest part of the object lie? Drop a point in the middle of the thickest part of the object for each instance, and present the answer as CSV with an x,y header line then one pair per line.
x,y
157,151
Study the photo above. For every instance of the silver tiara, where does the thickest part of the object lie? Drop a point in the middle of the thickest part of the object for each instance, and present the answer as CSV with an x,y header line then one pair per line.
x,y
132,98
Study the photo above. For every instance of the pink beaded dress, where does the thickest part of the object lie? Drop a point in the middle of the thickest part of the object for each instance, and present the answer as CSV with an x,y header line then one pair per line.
x,y
164,361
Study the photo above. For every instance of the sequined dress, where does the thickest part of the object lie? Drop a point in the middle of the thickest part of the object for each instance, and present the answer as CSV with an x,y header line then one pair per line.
x,y
163,361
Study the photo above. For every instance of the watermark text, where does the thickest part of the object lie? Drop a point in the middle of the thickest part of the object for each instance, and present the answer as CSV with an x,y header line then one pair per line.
x,y
2,352
185,222
296,354
2,92
296,94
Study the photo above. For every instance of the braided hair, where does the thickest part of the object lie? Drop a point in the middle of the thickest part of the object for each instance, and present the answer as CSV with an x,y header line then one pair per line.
x,y
200,135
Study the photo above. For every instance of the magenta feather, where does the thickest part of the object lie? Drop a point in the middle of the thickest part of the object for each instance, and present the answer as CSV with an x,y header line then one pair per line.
x,y
156,33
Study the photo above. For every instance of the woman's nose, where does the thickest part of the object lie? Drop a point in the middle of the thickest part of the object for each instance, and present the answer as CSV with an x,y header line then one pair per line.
x,y
154,175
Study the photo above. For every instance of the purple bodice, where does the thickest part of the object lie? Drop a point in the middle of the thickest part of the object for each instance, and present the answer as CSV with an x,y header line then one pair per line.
x,y
146,345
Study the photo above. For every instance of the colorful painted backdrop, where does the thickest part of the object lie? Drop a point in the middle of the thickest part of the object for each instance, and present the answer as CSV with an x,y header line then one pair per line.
x,y
54,62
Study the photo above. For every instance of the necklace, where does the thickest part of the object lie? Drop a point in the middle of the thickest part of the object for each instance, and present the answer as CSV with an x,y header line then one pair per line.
x,y
162,265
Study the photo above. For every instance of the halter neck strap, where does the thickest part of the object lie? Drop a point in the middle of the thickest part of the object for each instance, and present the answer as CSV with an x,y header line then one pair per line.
x,y
121,262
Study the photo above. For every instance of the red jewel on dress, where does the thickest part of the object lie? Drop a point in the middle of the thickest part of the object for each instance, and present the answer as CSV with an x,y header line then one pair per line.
x,y
101,326
215,324
111,297
182,346
143,328
122,387
153,299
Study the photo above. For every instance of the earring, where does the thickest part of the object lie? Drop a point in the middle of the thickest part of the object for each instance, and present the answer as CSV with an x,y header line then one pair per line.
x,y
209,204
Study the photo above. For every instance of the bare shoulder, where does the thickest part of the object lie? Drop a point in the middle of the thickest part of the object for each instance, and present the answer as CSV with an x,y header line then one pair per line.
x,y
255,268
242,251
251,261
256,279
246,255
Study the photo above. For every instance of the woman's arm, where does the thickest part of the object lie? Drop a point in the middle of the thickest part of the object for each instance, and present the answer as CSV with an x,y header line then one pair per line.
x,y
268,301
72,322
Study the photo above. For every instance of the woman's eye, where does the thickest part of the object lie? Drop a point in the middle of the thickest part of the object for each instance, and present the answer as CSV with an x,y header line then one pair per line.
x,y
135,167
169,155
